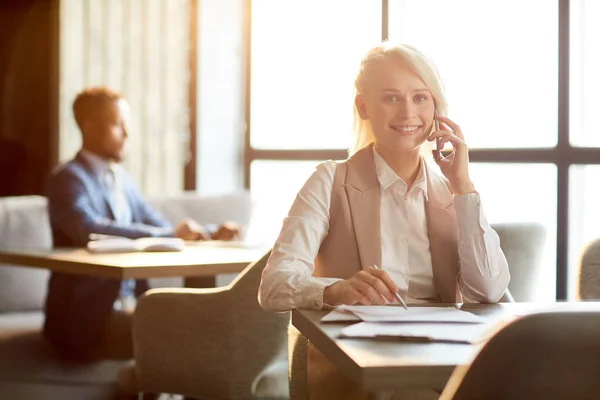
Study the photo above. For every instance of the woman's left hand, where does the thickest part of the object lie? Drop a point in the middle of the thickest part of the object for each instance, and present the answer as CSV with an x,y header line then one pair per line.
x,y
455,166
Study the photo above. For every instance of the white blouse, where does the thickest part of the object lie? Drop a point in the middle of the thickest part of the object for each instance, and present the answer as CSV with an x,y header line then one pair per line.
x,y
287,280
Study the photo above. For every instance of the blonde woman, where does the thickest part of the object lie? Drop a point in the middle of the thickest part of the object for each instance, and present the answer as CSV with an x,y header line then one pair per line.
x,y
387,206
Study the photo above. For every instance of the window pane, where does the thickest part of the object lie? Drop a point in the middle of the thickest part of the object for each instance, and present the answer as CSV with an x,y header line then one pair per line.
x,y
304,58
498,61
584,214
274,187
507,197
584,80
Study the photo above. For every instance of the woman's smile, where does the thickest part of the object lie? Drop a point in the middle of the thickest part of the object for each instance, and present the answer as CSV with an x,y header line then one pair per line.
x,y
406,130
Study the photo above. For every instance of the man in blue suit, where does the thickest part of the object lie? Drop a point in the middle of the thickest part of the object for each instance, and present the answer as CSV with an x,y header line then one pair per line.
x,y
93,194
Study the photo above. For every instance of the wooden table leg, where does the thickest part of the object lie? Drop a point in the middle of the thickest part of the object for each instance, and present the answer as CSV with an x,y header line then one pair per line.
x,y
200,281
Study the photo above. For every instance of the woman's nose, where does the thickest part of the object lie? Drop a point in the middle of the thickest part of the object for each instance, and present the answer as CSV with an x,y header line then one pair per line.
x,y
406,109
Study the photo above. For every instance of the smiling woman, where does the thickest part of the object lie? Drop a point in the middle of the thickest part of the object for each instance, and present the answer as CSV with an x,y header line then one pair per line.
x,y
386,206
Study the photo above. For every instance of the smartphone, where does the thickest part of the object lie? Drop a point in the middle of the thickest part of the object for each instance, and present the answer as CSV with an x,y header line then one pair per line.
x,y
438,142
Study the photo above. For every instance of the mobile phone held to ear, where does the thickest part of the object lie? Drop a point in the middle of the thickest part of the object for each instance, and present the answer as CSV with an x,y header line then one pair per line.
x,y
438,142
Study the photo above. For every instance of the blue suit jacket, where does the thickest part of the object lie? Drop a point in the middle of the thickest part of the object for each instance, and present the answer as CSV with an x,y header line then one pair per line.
x,y
78,306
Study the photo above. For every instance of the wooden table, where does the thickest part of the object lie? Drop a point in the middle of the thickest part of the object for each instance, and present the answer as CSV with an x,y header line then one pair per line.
x,y
386,365
198,262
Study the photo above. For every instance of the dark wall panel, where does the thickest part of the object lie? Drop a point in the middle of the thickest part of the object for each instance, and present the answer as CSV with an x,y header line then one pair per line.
x,y
28,94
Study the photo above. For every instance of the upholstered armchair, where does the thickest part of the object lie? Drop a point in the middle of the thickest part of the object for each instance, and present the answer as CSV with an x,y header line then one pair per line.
x,y
540,356
213,343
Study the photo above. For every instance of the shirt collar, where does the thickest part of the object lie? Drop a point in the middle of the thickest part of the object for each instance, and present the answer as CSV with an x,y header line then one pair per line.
x,y
387,177
98,164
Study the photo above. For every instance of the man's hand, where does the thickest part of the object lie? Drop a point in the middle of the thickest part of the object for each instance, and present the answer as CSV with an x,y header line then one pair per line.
x,y
189,229
366,287
227,231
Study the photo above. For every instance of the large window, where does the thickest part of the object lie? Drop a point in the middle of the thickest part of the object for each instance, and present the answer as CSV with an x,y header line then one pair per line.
x,y
585,79
304,56
584,133
521,81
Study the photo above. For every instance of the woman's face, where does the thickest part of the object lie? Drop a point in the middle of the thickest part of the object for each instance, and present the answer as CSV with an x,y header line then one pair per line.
x,y
398,105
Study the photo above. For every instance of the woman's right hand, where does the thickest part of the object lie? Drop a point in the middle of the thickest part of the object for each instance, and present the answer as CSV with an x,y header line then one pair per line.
x,y
366,287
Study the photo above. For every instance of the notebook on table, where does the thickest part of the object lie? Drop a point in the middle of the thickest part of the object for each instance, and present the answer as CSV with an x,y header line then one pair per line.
x,y
116,244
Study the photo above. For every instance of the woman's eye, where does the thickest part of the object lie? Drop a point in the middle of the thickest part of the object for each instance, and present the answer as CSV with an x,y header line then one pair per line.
x,y
420,98
393,99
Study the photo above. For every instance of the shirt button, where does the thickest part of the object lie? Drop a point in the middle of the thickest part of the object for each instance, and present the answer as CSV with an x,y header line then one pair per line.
x,y
404,240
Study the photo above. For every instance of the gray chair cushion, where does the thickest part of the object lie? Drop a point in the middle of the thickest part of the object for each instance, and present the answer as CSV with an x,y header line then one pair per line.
x,y
24,225
26,357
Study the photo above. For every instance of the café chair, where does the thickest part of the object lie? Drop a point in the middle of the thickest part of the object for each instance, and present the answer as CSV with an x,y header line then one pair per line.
x,y
552,355
215,343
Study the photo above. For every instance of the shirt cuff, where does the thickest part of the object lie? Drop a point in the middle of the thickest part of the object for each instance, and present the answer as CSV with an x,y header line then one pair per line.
x,y
469,214
309,293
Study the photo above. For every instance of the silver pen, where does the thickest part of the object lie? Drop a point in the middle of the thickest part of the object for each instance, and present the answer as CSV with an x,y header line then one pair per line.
x,y
398,297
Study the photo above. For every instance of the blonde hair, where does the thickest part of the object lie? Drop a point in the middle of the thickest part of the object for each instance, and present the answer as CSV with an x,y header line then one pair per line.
x,y
362,132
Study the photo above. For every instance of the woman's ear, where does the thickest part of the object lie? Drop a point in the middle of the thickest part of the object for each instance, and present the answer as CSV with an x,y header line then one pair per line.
x,y
361,107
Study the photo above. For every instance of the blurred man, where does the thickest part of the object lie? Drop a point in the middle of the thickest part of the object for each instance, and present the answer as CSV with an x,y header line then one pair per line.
x,y
93,194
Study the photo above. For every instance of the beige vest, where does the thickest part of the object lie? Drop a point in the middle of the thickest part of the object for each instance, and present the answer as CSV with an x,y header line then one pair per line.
x,y
354,237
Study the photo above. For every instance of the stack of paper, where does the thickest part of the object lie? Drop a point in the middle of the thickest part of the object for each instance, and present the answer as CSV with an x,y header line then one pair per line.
x,y
420,324
419,332
399,314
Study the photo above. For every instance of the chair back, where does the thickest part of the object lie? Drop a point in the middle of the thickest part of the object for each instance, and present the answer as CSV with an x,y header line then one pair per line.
x,y
231,344
554,355
589,272
24,225
523,245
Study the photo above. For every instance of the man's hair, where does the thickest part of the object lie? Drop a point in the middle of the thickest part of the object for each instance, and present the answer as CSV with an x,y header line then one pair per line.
x,y
90,101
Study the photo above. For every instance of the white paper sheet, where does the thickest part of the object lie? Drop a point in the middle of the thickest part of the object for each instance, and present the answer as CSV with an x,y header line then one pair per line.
x,y
399,314
420,332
